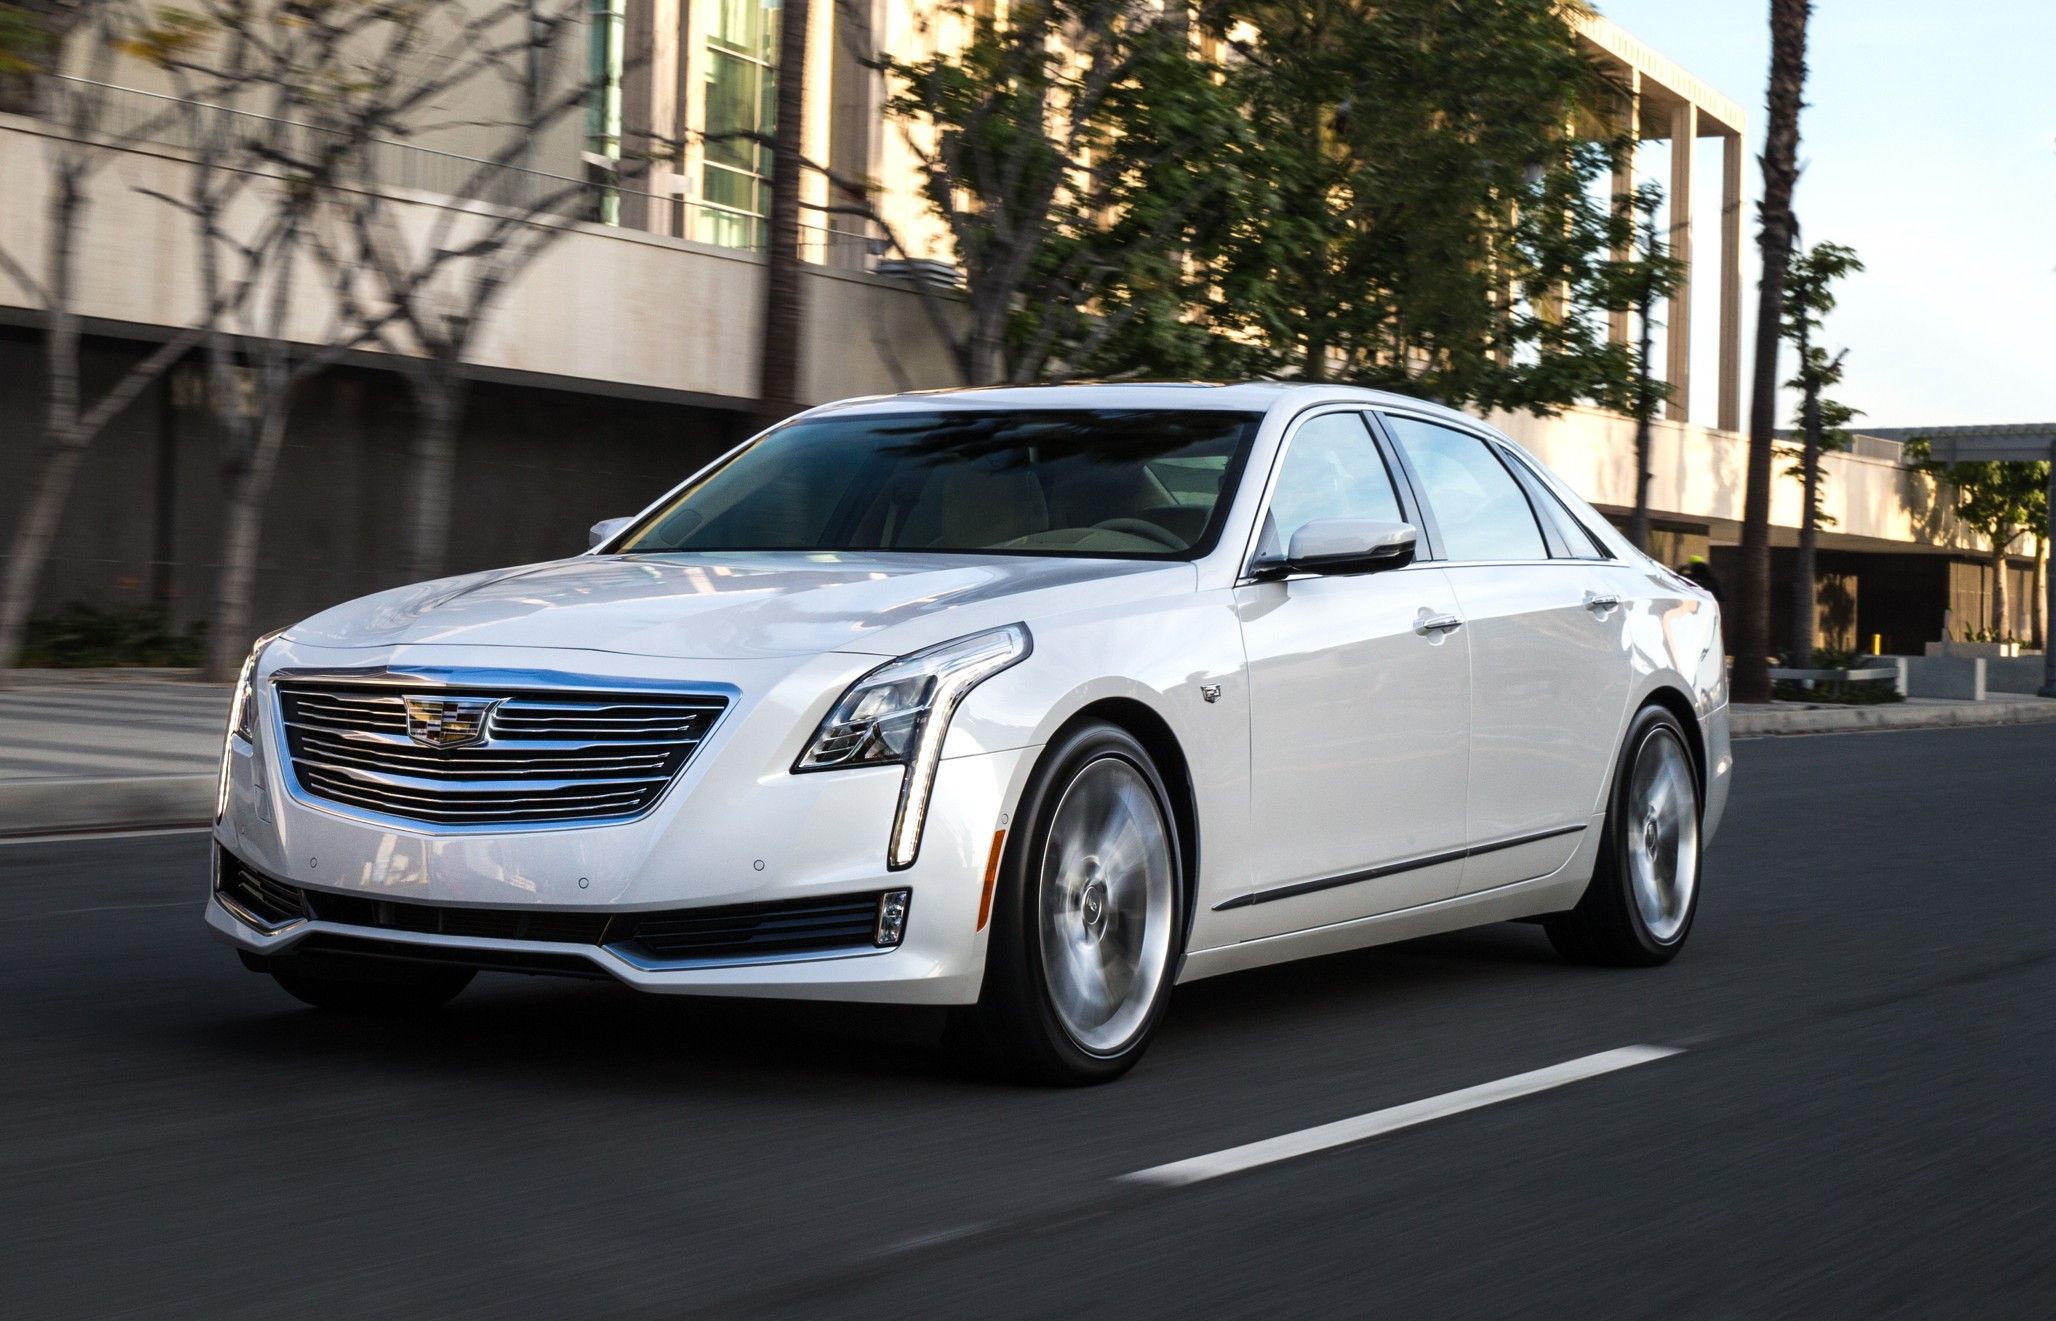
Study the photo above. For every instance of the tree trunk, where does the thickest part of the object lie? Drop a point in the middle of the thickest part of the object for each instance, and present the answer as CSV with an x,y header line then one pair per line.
x,y
778,354
2000,622
1645,406
1805,610
438,401
1751,637
30,545
1638,527
2041,610
64,444
247,495
1805,591
985,345
69,428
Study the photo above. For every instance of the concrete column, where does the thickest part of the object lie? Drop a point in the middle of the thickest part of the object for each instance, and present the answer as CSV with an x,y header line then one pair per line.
x,y
695,18
1678,329
1618,331
651,122
1731,282
817,237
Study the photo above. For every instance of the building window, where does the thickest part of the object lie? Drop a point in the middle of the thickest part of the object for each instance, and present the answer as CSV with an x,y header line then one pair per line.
x,y
605,24
741,100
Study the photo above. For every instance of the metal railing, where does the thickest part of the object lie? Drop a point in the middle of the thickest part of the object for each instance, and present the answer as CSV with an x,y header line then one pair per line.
x,y
604,194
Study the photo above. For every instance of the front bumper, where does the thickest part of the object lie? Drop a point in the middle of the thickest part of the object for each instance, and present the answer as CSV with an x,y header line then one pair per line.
x,y
1720,769
735,829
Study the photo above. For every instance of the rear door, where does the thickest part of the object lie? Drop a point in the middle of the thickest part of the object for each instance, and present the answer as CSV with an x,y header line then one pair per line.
x,y
1550,671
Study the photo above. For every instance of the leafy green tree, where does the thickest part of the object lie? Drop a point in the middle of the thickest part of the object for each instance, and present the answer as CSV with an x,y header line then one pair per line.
x,y
1823,422
1088,164
1439,229
2001,501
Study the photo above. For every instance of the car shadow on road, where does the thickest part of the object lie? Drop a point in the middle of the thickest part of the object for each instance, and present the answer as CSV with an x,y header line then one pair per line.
x,y
612,1037
1388,979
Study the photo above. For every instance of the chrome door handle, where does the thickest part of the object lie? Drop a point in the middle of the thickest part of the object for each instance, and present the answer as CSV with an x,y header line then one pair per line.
x,y
1428,623
1599,603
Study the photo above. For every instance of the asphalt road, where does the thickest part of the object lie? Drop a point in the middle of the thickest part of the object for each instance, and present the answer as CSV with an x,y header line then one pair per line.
x,y
1858,1124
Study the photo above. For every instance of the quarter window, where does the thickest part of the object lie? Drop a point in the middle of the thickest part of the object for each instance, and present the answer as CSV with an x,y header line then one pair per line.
x,y
1332,470
1479,508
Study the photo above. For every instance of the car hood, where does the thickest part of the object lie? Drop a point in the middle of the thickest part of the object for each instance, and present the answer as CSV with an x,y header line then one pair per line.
x,y
733,606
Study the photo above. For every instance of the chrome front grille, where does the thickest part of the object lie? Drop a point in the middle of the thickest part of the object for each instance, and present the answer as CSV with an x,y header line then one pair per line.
x,y
535,757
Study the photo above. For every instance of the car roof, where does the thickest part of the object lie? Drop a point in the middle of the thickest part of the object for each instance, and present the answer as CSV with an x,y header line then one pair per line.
x,y
1243,396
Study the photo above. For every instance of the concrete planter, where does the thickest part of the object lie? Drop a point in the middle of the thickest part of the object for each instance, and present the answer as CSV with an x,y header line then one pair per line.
x,y
1965,650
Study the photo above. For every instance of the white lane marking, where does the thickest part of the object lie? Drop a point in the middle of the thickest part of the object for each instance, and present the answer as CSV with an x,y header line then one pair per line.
x,y
82,836
1345,1131
104,908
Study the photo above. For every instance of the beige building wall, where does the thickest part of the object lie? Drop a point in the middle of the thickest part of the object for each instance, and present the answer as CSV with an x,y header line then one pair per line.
x,y
465,122
604,308
1698,475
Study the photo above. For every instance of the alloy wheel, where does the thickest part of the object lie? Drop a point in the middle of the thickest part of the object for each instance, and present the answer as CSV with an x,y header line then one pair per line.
x,y
1662,828
1106,902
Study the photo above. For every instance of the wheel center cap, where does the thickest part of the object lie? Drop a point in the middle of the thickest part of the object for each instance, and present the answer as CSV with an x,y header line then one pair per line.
x,y
1093,905
1649,835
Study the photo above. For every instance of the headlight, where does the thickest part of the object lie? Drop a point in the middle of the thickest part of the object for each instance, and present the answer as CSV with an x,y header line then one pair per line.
x,y
242,719
899,714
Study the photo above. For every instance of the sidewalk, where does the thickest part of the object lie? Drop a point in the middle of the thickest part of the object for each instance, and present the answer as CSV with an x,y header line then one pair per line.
x,y
102,749
1766,719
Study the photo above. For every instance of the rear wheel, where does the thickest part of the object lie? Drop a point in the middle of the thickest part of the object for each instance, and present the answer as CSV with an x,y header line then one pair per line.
x,y
366,986
1089,919
1645,889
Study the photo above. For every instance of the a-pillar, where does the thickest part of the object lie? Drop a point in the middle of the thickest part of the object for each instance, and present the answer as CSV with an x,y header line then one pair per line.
x,y
1684,117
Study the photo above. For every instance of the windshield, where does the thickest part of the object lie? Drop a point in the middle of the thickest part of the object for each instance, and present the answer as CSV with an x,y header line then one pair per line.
x,y
1127,483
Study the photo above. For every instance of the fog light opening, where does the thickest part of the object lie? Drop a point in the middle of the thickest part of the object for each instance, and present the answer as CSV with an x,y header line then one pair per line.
x,y
892,918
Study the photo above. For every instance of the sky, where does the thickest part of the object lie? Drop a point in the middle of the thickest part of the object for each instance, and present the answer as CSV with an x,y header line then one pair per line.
x,y
1928,144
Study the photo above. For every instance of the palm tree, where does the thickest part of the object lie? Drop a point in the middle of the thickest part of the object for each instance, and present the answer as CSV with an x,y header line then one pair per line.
x,y
1751,639
1823,422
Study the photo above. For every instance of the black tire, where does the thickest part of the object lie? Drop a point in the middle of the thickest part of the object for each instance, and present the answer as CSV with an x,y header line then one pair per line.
x,y
1609,926
1015,1028
366,986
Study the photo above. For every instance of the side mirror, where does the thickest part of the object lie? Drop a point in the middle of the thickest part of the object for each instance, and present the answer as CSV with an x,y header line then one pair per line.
x,y
1344,546
603,531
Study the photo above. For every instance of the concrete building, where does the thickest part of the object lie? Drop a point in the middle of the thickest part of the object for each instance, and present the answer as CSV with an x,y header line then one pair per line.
x,y
625,357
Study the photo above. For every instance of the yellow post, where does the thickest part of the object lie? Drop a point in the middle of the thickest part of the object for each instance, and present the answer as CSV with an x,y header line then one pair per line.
x,y
1877,644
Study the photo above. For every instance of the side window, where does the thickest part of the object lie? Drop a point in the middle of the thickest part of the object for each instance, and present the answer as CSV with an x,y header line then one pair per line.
x,y
1582,545
1332,470
1479,508
1568,535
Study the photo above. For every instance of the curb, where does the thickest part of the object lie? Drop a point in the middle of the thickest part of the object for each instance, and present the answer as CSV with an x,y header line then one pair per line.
x,y
1770,722
136,802
140,802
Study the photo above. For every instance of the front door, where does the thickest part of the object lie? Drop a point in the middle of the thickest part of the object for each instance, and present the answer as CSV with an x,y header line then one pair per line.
x,y
1359,708
1548,661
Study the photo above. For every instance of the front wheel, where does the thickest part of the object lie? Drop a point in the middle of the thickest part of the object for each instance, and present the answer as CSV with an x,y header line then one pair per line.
x,y
1645,889
1088,922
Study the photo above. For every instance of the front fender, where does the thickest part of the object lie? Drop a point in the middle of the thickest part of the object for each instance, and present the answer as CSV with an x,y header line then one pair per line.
x,y
1166,656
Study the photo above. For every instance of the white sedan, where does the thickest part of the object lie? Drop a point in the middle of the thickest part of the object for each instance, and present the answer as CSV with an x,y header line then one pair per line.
x,y
1028,702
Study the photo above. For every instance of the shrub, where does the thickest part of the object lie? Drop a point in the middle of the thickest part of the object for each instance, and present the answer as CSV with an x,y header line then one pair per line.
x,y
81,635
